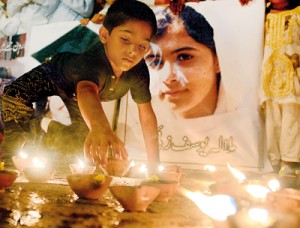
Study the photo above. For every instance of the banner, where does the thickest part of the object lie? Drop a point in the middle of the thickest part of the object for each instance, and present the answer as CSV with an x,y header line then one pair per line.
x,y
12,47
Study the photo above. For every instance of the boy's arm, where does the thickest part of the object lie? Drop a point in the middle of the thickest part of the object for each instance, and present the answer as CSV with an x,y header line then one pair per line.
x,y
101,137
150,132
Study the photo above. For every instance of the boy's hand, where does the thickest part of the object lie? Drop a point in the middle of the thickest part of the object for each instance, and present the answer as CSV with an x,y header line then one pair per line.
x,y
97,145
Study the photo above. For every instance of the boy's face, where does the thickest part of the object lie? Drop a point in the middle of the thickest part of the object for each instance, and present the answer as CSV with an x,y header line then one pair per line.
x,y
127,44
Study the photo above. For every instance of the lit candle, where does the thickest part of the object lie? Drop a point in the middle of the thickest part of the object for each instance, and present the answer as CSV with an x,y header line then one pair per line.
x,y
257,191
237,174
253,217
217,207
23,155
81,168
161,168
274,185
38,172
210,168
22,161
37,163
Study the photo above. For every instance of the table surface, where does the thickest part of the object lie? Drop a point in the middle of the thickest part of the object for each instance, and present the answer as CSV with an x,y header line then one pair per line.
x,y
54,204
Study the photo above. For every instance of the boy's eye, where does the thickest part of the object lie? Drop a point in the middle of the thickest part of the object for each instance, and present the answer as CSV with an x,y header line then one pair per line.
x,y
126,40
143,47
184,57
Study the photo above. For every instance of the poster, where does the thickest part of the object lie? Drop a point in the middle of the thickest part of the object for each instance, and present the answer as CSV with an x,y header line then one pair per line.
x,y
199,124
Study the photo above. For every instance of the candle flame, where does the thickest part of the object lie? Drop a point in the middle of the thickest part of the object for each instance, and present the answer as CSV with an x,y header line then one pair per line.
x,y
161,168
23,155
81,163
218,207
132,164
143,168
274,185
237,174
38,163
259,215
258,191
210,168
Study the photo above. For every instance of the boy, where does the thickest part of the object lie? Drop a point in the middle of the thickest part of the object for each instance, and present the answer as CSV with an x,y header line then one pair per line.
x,y
105,72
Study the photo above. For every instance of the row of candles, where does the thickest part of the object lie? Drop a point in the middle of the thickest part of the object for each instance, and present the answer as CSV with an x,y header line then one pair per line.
x,y
224,204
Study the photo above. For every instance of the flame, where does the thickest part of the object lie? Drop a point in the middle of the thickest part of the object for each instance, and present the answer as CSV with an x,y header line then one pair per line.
x,y
132,164
38,163
237,174
143,169
218,207
258,191
210,168
259,215
161,168
23,155
274,185
81,163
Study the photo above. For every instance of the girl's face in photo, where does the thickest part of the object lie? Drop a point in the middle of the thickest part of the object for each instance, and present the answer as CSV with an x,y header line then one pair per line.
x,y
187,73
127,44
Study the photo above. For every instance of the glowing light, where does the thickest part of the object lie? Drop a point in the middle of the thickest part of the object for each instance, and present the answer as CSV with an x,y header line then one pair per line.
x,y
81,164
38,163
218,207
274,185
161,168
258,191
143,169
23,155
259,215
237,174
210,168
132,164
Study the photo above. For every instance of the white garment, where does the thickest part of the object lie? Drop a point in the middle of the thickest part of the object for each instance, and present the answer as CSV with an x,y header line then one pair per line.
x,y
24,14
72,10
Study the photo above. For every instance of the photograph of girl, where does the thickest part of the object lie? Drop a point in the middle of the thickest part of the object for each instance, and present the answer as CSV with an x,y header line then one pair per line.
x,y
204,90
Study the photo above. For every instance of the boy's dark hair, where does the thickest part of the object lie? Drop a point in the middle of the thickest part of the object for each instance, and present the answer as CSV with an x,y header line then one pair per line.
x,y
122,11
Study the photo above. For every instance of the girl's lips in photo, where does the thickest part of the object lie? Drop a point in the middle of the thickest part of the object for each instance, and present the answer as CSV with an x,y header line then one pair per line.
x,y
172,94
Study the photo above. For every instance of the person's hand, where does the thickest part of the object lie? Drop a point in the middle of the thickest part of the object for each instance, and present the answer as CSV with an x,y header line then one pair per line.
x,y
99,143
176,6
245,2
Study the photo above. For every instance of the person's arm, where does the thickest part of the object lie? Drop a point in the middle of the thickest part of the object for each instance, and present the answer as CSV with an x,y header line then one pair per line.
x,y
101,136
176,6
150,132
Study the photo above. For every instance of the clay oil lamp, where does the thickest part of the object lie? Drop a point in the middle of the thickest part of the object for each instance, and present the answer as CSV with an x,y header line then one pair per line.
x,y
7,177
285,200
38,172
171,173
263,217
135,198
81,168
233,187
117,167
22,161
167,188
89,186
